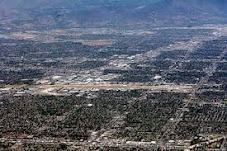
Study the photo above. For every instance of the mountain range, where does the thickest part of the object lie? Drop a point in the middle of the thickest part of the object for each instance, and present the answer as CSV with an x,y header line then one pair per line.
x,y
65,13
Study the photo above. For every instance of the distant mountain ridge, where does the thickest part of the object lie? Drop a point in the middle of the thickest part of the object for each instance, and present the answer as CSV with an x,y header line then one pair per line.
x,y
121,12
